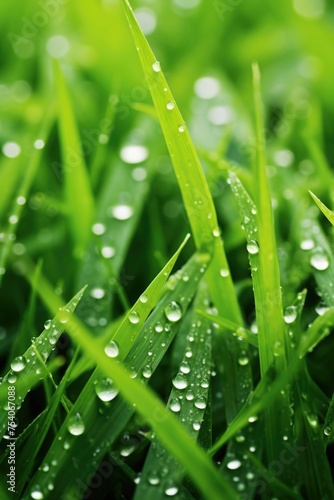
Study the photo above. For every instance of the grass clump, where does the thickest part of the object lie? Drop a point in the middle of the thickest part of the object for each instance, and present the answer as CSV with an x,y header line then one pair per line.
x,y
188,365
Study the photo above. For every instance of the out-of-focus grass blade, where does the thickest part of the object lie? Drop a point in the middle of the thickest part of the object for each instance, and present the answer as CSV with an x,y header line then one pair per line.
x,y
161,474
328,213
23,366
77,187
9,235
148,405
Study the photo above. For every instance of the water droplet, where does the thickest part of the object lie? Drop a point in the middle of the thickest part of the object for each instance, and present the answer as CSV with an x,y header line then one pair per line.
x,y
216,232
290,314
207,87
18,364
36,493
143,299
11,149
173,311
321,308
252,247
233,464
252,419
121,212
39,144
180,381
189,395
243,361
63,315
224,273
156,66
21,200
319,260
307,244
159,328
170,105
97,293
181,128
12,378
171,491
134,317
108,252
47,324
185,367
147,371
196,426
153,478
200,402
327,431
75,425
105,389
112,349
204,383
134,154
175,405
98,229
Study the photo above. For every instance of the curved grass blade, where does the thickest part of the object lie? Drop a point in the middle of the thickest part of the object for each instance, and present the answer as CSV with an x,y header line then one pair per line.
x,y
77,187
153,411
23,366
328,213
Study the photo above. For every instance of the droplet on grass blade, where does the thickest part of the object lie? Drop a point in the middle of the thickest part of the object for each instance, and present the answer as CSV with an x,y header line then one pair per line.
x,y
18,364
156,66
173,311
75,425
290,314
252,247
112,349
180,381
134,317
105,389
319,259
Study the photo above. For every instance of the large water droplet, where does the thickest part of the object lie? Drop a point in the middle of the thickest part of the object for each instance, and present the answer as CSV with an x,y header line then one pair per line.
x,y
327,431
108,252
173,311
47,324
97,293
105,389
153,478
185,367
75,425
290,314
319,260
112,349
36,493
147,371
159,327
170,105
243,361
180,381
18,364
307,244
252,247
171,491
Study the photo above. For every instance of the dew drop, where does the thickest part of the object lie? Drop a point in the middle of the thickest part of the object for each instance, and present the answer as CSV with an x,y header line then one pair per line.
x,y
112,349
153,478
181,128
121,212
204,383
233,464
63,315
243,361
159,328
173,311
290,314
98,229
321,308
200,402
196,426
97,293
252,247
185,367
134,317
170,105
319,260
224,273
47,324
147,371
171,491
11,149
134,154
189,395
75,425
39,144
18,364
156,66
143,299
327,431
105,389
108,252
36,493
216,232
307,244
175,405
180,381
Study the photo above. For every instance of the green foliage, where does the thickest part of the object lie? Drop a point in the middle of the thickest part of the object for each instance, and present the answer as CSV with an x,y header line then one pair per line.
x,y
143,165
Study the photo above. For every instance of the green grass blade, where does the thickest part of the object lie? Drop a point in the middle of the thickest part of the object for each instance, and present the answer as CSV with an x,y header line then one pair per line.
x,y
328,213
161,473
77,187
26,364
